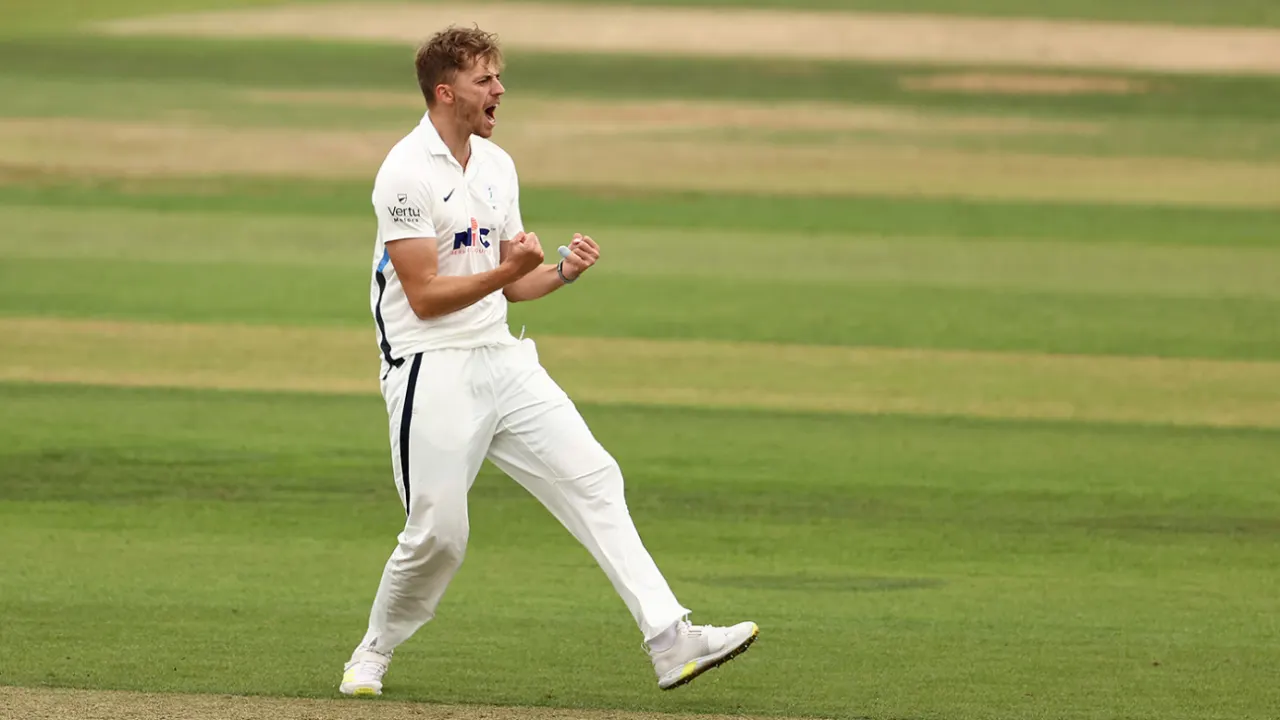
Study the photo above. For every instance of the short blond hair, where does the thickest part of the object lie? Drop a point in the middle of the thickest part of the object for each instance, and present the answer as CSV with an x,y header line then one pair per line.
x,y
439,59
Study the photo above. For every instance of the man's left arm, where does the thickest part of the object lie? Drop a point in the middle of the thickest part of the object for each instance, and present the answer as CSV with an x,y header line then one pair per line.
x,y
583,253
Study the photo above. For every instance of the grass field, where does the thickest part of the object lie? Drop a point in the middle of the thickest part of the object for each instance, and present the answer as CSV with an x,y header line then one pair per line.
x,y
968,392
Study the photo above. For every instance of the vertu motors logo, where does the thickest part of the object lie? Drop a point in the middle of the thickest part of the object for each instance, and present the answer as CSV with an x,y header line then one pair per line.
x,y
403,214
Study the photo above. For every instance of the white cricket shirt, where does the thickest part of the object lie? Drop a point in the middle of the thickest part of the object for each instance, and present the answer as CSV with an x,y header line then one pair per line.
x,y
421,191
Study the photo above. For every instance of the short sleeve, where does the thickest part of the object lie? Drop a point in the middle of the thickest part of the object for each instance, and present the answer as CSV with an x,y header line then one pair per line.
x,y
514,224
402,204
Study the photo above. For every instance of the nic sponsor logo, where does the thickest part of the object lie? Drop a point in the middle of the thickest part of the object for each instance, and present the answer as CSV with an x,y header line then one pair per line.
x,y
474,237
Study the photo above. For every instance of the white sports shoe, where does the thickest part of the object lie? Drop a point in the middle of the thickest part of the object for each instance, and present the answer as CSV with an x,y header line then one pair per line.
x,y
362,676
699,648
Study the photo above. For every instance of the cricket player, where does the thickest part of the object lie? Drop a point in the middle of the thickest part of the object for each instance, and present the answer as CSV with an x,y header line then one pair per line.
x,y
451,252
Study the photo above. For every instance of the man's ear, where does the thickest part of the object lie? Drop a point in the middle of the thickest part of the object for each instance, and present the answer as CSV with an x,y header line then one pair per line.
x,y
444,93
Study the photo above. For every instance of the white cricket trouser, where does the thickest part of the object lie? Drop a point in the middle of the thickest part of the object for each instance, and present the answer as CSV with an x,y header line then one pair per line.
x,y
448,411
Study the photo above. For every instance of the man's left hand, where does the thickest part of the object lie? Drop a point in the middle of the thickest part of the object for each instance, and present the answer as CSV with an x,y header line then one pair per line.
x,y
583,253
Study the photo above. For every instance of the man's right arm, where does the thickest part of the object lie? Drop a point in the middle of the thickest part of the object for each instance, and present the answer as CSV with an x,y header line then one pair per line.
x,y
431,294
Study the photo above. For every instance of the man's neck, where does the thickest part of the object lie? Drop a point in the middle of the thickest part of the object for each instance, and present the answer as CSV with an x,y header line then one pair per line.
x,y
456,139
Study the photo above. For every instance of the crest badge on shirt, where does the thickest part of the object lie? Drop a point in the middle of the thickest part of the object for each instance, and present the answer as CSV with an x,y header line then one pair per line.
x,y
402,212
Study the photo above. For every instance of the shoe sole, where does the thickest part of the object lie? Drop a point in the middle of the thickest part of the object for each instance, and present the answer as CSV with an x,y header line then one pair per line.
x,y
360,692
696,670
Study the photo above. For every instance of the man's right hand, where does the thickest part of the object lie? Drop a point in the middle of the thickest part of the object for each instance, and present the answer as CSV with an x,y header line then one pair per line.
x,y
524,253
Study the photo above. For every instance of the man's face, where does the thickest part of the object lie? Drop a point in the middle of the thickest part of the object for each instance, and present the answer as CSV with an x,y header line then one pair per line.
x,y
477,91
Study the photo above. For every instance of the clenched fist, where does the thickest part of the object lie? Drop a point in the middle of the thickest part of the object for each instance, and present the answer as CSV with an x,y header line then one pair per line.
x,y
583,253
524,253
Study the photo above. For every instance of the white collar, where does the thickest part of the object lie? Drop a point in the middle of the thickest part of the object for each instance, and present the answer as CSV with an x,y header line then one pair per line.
x,y
435,143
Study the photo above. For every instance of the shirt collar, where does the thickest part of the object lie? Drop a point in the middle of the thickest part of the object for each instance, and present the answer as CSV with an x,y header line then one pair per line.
x,y
435,143
436,146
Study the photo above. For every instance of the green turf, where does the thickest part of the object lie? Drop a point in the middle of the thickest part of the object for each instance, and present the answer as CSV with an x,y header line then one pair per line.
x,y
1077,265
1206,138
899,568
188,102
798,311
294,64
43,197
923,568
843,289
211,102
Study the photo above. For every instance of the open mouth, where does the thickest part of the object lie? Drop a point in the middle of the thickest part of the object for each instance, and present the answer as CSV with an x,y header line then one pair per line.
x,y
491,114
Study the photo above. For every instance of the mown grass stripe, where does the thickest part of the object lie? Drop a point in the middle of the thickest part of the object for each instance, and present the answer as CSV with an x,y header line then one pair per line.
x,y
1211,393
113,149
618,207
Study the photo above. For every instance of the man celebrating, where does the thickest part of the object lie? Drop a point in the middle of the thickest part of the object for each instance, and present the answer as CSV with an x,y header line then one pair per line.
x,y
451,252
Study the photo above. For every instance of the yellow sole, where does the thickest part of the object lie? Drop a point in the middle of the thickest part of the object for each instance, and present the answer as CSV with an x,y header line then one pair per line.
x,y
695,671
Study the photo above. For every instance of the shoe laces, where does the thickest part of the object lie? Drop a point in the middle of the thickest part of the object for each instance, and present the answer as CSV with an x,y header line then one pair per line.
x,y
370,667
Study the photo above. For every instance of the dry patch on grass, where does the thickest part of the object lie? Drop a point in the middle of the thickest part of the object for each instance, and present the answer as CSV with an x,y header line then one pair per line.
x,y
871,169
987,83
337,98
574,118
756,33
551,153
632,116
197,356
119,149
669,372
60,704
